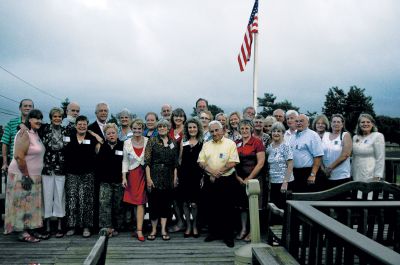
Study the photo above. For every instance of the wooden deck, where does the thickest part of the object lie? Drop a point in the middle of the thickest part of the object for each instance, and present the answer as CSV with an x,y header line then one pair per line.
x,y
122,249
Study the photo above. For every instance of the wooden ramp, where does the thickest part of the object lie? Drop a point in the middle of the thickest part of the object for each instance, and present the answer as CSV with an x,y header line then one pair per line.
x,y
122,249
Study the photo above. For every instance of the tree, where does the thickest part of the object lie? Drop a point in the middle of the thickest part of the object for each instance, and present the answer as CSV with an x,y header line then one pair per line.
x,y
269,105
64,105
335,101
213,108
356,103
390,127
266,102
113,119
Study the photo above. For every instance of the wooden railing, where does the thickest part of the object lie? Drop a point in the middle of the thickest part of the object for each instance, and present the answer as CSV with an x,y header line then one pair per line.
x,y
97,255
314,236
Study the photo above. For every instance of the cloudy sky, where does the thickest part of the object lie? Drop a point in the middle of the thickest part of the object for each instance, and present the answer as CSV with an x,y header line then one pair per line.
x,y
141,54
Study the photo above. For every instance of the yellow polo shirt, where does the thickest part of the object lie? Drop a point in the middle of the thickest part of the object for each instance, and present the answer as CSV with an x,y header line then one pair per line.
x,y
218,154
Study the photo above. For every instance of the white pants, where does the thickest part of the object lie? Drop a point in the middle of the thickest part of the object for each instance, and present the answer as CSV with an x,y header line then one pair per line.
x,y
53,196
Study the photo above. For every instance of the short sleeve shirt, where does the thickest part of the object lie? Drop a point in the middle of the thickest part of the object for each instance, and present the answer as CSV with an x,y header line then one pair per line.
x,y
306,145
218,154
10,131
277,158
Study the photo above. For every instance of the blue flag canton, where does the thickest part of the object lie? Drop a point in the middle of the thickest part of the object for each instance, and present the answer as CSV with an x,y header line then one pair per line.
x,y
253,12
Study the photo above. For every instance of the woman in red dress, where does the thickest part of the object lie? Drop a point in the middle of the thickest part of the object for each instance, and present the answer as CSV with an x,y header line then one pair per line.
x,y
134,182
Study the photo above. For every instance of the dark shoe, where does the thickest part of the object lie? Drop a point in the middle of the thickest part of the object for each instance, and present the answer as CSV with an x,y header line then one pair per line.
x,y
210,238
229,243
196,235
187,235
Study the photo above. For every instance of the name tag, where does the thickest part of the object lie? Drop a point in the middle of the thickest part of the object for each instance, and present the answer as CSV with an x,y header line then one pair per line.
x,y
66,139
185,143
222,156
118,152
86,141
171,145
239,144
177,136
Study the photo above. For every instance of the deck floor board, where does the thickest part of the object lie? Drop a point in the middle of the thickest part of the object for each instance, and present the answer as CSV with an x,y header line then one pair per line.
x,y
122,249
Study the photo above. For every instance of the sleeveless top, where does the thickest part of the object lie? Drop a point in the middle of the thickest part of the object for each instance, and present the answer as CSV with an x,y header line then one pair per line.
x,y
332,150
33,158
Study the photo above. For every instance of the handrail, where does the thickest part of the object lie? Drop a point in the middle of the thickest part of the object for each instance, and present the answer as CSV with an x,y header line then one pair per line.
x,y
97,255
362,245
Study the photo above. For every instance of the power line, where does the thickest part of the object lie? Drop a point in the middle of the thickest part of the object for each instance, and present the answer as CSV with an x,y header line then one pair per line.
x,y
9,99
9,111
29,84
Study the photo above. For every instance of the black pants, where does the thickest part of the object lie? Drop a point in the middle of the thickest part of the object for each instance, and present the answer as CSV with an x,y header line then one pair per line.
x,y
300,180
221,207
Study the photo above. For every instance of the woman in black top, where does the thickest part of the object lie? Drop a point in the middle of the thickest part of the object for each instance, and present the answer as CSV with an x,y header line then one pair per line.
x,y
161,160
80,155
109,164
190,173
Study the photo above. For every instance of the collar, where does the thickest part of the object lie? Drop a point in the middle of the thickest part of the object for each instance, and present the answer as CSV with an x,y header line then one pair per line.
x,y
220,141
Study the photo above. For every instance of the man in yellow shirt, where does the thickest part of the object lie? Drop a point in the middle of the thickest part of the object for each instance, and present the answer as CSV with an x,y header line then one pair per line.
x,y
218,159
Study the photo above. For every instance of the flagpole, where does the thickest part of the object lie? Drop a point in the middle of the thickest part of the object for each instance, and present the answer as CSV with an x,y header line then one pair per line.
x,y
255,76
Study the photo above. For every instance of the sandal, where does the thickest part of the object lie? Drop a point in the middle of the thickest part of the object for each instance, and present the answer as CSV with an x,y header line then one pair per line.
x,y
241,236
86,233
70,232
41,236
166,237
247,238
151,237
175,229
59,233
26,237
140,238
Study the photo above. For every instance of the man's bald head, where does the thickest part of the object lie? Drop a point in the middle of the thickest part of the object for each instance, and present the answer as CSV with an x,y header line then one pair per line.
x,y
73,109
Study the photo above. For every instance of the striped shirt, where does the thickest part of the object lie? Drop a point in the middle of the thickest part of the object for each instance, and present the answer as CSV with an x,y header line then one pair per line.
x,y
10,131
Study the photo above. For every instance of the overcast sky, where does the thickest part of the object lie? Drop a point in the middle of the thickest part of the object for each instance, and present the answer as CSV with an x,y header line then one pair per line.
x,y
141,54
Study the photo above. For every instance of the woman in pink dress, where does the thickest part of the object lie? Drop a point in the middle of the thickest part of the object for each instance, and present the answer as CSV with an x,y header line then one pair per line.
x,y
24,182
133,173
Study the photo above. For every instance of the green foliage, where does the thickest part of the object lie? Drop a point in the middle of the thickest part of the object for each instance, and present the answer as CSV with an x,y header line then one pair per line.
x,y
64,105
213,108
390,127
334,102
113,119
356,103
269,105
350,105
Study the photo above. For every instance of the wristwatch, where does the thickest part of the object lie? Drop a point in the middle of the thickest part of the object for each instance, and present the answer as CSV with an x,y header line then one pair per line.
x,y
312,174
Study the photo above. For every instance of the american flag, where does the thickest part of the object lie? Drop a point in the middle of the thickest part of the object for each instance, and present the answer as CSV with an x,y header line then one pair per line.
x,y
252,27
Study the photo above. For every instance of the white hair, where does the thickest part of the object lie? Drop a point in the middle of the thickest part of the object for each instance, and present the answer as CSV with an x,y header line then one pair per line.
x,y
215,122
291,112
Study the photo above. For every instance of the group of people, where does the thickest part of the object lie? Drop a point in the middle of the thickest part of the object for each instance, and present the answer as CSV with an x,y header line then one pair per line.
x,y
95,175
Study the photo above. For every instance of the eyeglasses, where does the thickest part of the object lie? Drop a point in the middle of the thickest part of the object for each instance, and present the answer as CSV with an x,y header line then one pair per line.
x,y
162,126
204,118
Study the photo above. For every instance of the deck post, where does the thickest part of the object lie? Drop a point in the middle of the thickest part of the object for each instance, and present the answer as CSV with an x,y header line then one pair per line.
x,y
243,255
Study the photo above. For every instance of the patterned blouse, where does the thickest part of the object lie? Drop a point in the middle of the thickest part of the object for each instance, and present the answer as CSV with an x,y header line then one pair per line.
x,y
54,140
162,162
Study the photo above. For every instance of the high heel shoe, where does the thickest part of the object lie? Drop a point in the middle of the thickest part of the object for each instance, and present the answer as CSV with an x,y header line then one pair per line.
x,y
140,238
